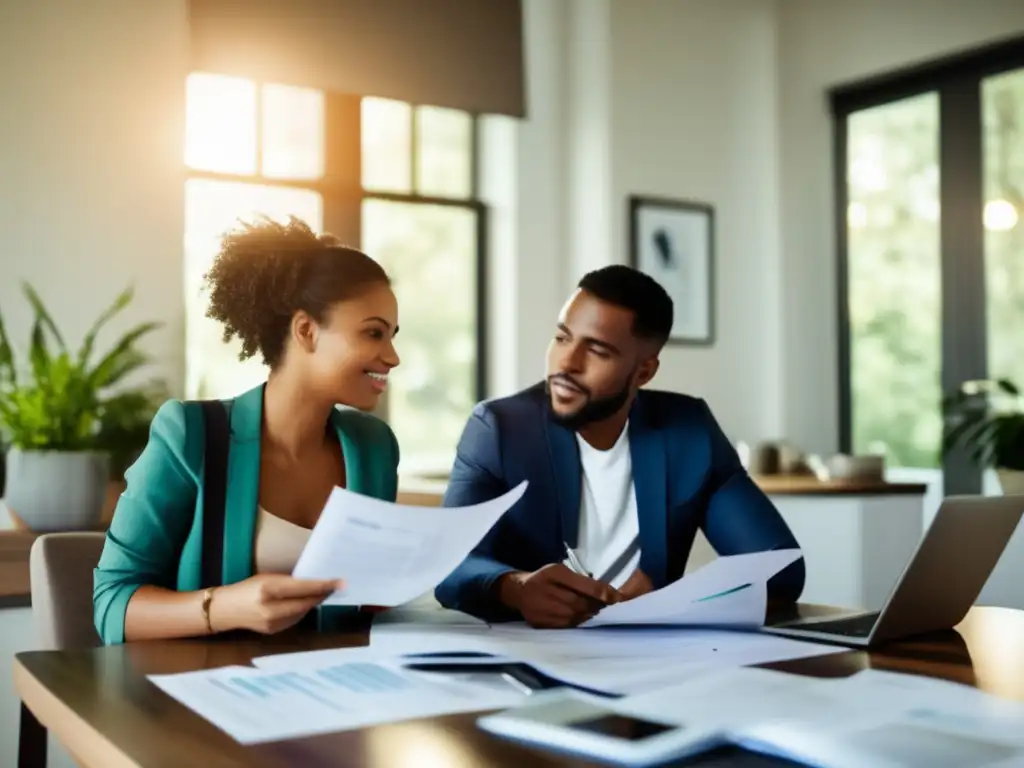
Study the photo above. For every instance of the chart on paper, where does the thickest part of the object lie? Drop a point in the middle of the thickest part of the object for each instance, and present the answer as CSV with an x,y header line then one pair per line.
x,y
730,591
269,705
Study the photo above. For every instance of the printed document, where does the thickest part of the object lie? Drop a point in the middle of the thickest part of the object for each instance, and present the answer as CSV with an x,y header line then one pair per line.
x,y
389,554
876,719
252,705
896,720
617,660
731,591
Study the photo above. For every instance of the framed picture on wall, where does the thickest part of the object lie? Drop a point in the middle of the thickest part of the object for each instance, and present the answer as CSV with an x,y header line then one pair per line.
x,y
673,241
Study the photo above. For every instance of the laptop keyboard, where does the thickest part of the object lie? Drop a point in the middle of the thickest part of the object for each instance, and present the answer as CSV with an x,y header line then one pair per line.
x,y
854,626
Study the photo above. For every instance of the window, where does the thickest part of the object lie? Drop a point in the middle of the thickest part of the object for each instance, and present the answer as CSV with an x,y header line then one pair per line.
x,y
276,150
421,221
929,195
241,141
893,221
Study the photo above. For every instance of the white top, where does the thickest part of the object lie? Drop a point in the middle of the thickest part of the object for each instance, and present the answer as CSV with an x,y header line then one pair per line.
x,y
608,545
278,543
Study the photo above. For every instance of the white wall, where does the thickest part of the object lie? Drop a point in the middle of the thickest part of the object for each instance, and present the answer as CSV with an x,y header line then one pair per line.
x,y
693,116
91,164
523,167
676,99
823,44
91,171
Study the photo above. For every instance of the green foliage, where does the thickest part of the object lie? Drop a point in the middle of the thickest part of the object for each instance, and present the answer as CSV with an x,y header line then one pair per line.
x,y
62,401
894,282
430,252
986,417
895,273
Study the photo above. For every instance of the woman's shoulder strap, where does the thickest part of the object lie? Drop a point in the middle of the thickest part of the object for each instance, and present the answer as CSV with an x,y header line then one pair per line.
x,y
215,416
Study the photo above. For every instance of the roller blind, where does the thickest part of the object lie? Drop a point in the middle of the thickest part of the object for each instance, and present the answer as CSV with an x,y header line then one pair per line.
x,y
464,54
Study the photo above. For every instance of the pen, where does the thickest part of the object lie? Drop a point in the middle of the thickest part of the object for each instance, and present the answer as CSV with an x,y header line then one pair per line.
x,y
574,563
516,683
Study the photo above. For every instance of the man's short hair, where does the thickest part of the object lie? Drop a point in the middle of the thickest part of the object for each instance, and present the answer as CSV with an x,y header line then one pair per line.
x,y
638,292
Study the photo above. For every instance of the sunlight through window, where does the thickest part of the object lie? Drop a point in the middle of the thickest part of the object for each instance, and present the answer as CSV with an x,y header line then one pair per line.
x,y
221,138
212,208
293,132
220,124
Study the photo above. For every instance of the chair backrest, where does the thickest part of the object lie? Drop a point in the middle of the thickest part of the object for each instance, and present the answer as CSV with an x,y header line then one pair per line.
x,y
61,570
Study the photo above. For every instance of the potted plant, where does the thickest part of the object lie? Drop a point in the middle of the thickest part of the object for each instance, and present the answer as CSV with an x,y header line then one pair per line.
x,y
986,418
70,422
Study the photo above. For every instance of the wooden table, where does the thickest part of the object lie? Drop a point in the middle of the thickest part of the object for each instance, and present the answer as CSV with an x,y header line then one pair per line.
x,y
99,704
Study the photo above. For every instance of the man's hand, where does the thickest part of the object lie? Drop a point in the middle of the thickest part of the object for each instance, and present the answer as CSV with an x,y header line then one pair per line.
x,y
554,597
639,583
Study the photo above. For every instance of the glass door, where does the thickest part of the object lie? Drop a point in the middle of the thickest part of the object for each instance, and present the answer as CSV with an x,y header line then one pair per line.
x,y
930,201
1002,98
894,286
929,193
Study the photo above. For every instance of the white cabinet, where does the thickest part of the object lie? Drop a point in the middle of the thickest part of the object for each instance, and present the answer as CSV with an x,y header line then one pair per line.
x,y
855,546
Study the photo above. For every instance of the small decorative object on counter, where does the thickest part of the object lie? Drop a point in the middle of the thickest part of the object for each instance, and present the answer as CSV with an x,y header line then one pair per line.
x,y
866,467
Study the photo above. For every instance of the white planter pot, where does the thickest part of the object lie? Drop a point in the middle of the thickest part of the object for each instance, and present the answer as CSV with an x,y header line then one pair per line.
x,y
1011,481
57,491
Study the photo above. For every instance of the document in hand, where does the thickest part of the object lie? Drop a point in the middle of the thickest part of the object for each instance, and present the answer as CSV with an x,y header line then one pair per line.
x,y
389,554
728,592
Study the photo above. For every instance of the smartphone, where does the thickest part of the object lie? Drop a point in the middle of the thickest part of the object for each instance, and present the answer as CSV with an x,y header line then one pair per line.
x,y
587,726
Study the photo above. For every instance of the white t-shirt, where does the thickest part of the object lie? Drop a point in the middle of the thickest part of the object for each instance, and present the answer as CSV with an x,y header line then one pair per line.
x,y
608,545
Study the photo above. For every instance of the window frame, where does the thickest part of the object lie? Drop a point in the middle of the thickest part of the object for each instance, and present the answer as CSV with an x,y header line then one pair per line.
x,y
342,193
471,202
957,79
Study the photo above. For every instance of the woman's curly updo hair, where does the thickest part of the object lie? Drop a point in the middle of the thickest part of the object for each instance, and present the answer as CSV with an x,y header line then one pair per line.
x,y
267,271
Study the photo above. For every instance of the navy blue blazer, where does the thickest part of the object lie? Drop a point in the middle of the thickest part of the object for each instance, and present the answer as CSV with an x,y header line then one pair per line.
x,y
686,474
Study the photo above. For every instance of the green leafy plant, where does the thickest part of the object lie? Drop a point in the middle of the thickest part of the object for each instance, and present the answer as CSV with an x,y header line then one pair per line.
x,y
986,418
64,401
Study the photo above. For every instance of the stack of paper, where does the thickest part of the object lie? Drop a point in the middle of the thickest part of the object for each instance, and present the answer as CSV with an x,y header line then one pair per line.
x,y
611,660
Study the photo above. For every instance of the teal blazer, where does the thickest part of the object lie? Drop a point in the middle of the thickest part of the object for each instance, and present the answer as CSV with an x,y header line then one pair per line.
x,y
155,536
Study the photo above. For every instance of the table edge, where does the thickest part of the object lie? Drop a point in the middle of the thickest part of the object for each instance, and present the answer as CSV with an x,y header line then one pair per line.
x,y
87,743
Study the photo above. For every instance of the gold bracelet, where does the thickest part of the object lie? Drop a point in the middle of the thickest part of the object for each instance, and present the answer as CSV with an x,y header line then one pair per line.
x,y
207,600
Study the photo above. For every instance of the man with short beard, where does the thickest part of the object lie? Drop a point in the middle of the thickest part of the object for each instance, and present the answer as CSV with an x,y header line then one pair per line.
x,y
622,475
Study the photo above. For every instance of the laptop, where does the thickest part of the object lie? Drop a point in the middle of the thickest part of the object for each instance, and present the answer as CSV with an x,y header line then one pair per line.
x,y
944,577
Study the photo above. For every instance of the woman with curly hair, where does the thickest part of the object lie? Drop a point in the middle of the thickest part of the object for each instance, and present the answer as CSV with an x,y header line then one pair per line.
x,y
323,318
